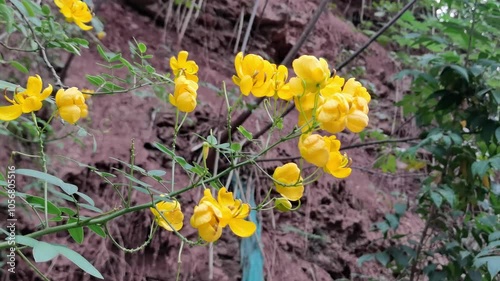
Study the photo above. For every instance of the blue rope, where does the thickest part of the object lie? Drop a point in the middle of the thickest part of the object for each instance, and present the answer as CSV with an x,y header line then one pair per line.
x,y
252,259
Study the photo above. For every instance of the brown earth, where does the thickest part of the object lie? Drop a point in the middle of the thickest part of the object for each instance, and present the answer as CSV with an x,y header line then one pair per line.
x,y
320,241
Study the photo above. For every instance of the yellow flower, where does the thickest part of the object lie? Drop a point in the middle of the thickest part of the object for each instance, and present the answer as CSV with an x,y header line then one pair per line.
x,y
331,115
278,83
288,181
313,71
171,211
314,149
333,86
211,216
338,165
27,101
75,11
253,75
282,204
184,97
355,89
356,121
181,66
71,105
294,87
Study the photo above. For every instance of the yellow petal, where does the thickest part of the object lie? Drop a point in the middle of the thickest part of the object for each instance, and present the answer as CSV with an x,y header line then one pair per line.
x,y
246,84
83,26
70,113
242,228
34,85
210,233
46,92
342,173
225,198
11,112
30,104
292,193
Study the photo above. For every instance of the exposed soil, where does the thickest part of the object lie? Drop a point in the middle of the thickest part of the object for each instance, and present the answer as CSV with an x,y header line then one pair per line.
x,y
320,241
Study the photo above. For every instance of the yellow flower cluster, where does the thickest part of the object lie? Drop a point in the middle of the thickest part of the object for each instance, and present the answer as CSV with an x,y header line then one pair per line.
x,y
186,82
324,103
70,102
75,11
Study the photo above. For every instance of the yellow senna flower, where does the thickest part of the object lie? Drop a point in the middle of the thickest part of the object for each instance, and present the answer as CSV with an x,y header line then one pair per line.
x,y
71,105
184,97
211,216
314,149
331,115
282,204
27,101
294,87
356,121
171,211
288,181
75,11
313,71
182,66
278,83
355,89
333,86
253,75
338,165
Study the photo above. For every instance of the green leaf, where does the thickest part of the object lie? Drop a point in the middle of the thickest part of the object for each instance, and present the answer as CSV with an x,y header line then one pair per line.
x,y
393,220
245,133
158,173
383,258
101,52
97,230
365,258
89,207
76,233
4,85
382,226
164,149
400,208
43,251
436,198
26,241
460,70
109,86
86,198
480,168
142,47
95,80
212,140
40,203
448,195
80,261
492,263
19,66
46,9
236,147
70,189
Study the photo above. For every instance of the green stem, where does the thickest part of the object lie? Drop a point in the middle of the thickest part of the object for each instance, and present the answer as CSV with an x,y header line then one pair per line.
x,y
103,218
132,161
44,167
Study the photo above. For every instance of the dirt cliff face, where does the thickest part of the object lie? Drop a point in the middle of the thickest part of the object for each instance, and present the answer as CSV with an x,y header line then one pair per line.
x,y
320,241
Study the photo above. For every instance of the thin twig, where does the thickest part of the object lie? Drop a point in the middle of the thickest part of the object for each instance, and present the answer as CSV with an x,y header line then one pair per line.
x,y
17,49
376,35
43,53
420,244
471,30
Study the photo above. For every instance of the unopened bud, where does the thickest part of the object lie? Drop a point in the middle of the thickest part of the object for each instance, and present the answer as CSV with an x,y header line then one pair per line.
x,y
206,147
282,204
